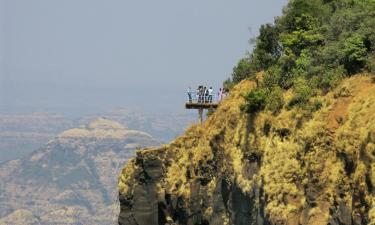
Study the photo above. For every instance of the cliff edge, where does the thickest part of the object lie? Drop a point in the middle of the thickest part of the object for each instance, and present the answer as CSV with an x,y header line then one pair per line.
x,y
261,168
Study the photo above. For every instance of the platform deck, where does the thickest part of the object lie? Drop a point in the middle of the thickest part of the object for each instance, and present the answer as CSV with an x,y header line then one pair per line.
x,y
195,105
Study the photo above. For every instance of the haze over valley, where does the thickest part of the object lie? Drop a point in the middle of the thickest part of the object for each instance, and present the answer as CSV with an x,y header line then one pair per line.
x,y
71,179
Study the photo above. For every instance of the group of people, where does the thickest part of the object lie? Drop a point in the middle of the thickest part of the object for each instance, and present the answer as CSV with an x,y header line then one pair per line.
x,y
206,95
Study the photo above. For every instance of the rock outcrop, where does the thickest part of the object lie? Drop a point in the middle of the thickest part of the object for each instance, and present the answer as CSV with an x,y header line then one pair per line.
x,y
296,167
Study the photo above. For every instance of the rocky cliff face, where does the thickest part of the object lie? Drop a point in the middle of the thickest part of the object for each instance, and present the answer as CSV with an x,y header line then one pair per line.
x,y
71,179
291,168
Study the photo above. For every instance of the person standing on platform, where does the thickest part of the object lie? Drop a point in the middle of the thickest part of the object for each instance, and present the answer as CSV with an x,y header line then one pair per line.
x,y
220,94
189,95
200,94
205,94
210,94
197,94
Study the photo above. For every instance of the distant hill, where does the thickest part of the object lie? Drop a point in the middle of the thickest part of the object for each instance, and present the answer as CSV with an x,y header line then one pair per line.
x,y
72,178
163,126
20,134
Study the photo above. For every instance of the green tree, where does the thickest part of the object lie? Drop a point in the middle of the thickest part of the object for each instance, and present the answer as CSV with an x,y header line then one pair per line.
x,y
302,93
355,53
310,48
243,70
255,101
267,48
275,100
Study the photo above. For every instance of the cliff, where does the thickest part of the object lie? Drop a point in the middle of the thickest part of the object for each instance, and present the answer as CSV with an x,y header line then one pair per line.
x,y
295,167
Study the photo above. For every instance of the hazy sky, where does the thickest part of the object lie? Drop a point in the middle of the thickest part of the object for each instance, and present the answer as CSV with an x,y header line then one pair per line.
x,y
92,55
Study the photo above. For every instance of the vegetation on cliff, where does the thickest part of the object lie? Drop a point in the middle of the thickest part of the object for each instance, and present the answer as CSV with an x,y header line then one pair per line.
x,y
311,48
263,168
294,143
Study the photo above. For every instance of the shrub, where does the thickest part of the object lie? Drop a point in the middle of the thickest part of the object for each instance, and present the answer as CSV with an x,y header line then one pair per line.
x,y
275,100
228,84
316,105
302,93
286,63
355,53
271,77
243,70
303,64
255,101
331,79
370,64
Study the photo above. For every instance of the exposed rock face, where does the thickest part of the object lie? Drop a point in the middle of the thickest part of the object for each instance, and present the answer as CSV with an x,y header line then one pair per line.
x,y
70,180
291,168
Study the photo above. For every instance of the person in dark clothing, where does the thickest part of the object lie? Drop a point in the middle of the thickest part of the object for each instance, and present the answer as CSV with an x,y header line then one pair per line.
x,y
189,95
200,94
205,95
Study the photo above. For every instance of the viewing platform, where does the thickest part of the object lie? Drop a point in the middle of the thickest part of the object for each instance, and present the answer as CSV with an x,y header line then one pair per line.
x,y
196,105
201,103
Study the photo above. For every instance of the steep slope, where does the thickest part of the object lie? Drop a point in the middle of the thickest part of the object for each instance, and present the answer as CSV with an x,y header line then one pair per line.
x,y
291,168
70,179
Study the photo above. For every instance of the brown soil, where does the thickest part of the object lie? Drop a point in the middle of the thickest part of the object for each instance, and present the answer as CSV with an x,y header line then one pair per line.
x,y
339,112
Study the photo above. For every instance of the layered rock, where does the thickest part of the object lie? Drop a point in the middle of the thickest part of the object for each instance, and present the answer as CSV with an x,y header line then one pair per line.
x,y
296,167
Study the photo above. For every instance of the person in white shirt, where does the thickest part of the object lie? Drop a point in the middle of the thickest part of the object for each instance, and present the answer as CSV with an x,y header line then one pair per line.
x,y
210,94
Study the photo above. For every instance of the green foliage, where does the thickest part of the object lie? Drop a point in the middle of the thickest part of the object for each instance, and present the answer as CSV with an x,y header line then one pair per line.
x,y
303,64
355,49
306,34
316,105
262,98
242,71
267,48
302,93
275,100
319,41
266,52
331,79
255,101
272,77
228,84
268,40
355,53
370,63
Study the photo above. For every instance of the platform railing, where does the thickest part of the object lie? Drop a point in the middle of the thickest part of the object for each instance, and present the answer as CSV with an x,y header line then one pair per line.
x,y
203,99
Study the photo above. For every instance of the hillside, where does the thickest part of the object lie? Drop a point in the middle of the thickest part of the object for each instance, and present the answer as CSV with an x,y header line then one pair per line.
x,y
296,166
70,179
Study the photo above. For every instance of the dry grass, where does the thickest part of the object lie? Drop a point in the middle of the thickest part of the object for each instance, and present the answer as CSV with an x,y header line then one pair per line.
x,y
299,154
